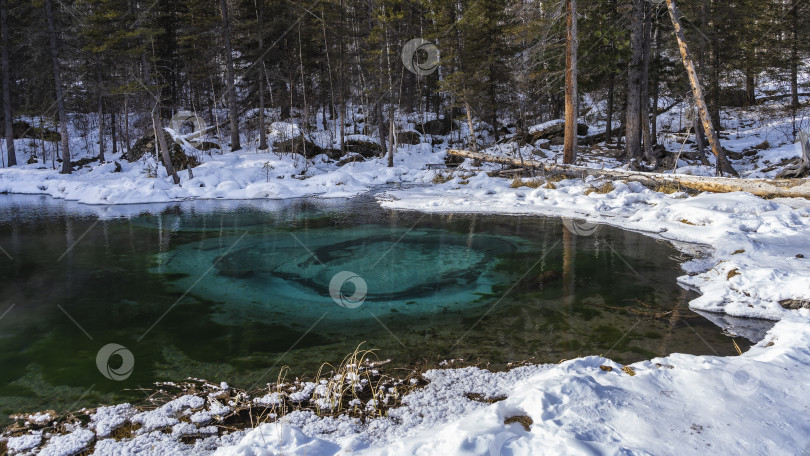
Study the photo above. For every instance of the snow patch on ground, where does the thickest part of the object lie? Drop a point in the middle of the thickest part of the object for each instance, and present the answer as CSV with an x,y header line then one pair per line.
x,y
679,404
238,175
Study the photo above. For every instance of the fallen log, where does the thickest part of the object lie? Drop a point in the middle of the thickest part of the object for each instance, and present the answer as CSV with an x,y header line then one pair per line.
x,y
771,188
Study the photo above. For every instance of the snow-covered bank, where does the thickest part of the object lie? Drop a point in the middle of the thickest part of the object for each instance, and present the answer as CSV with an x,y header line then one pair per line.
x,y
680,404
237,175
759,250
756,256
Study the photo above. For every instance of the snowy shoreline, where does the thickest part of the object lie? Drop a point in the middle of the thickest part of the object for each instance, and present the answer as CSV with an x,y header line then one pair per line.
x,y
678,404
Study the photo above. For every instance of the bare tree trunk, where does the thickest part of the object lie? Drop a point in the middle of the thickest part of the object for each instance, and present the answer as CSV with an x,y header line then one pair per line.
x,y
760,187
341,86
126,123
633,111
646,134
609,114
378,109
7,116
794,57
470,125
750,89
391,120
113,133
57,79
714,142
233,112
571,100
305,113
655,84
262,129
794,66
160,134
100,100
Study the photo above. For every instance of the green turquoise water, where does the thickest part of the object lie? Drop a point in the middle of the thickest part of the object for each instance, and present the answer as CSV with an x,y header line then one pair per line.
x,y
234,291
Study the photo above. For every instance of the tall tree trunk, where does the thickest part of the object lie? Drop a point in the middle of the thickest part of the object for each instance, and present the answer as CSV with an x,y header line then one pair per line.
x,y
391,120
470,124
633,111
794,59
100,100
113,133
232,109
160,134
341,87
609,114
571,100
714,142
646,134
378,110
750,88
57,79
260,32
7,115
655,82
126,124
714,86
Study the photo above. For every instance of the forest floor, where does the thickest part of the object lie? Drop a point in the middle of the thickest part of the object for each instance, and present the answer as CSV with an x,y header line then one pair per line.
x,y
751,258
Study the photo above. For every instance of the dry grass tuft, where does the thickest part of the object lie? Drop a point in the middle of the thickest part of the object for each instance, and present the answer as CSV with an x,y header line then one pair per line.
x,y
524,420
557,178
478,397
737,252
604,188
765,145
668,187
127,431
733,273
441,178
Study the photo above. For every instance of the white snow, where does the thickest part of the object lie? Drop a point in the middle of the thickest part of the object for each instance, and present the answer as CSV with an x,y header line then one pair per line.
x,y
68,444
108,419
751,254
24,442
680,404
238,175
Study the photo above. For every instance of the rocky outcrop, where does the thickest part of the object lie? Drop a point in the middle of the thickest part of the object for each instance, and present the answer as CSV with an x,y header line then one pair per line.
x,y
146,144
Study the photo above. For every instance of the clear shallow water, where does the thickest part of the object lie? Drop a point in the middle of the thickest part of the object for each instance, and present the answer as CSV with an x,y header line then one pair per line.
x,y
233,291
